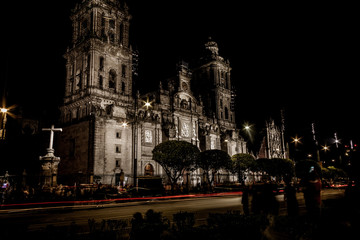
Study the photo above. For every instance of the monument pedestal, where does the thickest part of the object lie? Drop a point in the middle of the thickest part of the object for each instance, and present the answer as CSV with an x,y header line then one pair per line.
x,y
49,169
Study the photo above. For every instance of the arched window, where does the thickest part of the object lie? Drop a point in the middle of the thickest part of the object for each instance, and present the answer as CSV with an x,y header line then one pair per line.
x,y
149,170
112,79
226,81
103,34
123,70
226,113
111,37
101,82
121,33
78,80
101,63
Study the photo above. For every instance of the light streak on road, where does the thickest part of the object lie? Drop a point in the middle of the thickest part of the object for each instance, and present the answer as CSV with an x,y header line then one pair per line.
x,y
120,199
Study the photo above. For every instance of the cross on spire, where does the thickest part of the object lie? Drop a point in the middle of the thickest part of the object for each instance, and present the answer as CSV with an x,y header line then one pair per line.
x,y
52,130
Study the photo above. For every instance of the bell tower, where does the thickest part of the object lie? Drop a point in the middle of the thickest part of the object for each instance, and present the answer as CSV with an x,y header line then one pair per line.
x,y
213,84
98,92
100,59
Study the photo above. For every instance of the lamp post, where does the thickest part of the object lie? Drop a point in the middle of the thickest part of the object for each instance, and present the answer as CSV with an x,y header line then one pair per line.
x,y
248,130
296,141
3,125
325,148
134,133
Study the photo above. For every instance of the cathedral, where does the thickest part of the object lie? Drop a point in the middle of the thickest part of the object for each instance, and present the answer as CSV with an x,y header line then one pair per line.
x,y
110,129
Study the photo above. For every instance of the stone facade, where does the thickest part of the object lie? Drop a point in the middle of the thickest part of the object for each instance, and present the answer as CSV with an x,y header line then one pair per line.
x,y
273,143
108,127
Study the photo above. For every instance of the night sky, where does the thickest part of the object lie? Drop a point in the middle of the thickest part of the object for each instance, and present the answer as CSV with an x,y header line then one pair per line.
x,y
293,56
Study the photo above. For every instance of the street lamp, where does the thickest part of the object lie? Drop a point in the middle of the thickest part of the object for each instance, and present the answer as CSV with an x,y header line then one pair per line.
x,y
5,111
296,140
248,130
325,148
3,125
134,133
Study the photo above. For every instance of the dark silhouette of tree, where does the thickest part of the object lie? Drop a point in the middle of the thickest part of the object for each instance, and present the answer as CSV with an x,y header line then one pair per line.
x,y
211,161
280,168
175,157
241,163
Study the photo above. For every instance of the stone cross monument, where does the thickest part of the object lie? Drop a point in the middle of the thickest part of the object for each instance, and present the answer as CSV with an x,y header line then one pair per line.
x,y
49,163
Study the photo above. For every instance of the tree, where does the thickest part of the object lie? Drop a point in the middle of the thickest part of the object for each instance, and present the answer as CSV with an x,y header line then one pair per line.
x,y
175,157
264,165
211,161
283,169
333,173
277,167
241,163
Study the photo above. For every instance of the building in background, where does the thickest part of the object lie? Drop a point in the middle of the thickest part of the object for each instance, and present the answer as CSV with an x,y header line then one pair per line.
x,y
273,143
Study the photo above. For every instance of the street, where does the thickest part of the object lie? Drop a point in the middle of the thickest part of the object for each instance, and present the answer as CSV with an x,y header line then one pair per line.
x,y
40,218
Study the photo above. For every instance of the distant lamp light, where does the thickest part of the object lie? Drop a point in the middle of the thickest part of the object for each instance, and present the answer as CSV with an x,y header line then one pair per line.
x,y
124,124
248,131
4,110
296,140
325,148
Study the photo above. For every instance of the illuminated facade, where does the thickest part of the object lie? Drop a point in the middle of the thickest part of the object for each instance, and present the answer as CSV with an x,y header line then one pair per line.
x,y
273,144
108,128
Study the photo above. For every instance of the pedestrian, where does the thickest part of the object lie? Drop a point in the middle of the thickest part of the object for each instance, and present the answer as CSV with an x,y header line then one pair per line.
x,y
312,193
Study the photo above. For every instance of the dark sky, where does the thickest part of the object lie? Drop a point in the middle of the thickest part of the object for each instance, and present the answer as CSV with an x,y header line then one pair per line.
x,y
296,56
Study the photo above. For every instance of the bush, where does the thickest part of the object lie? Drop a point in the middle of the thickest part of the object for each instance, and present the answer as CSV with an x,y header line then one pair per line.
x,y
151,226
233,225
113,229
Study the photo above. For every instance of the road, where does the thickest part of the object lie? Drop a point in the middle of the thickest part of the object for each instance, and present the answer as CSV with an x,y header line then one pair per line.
x,y
37,219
